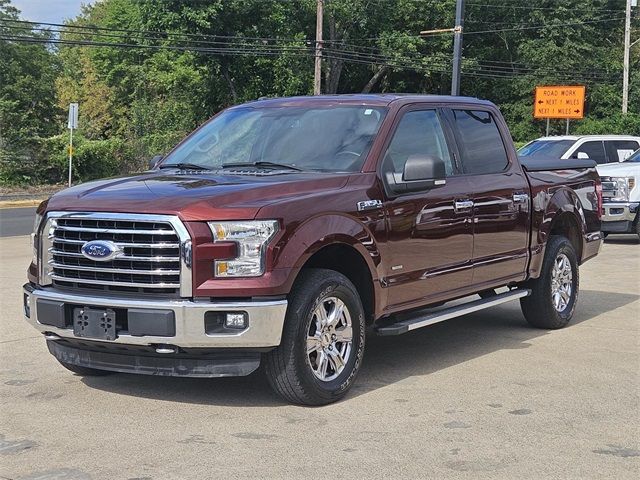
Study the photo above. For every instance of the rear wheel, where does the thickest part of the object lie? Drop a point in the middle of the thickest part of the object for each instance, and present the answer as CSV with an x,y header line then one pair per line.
x,y
85,371
555,293
322,342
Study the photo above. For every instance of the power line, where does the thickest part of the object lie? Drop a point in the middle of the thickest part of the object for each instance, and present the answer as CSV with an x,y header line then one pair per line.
x,y
433,67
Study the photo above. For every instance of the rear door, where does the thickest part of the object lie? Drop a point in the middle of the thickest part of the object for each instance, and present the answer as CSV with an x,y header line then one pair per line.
x,y
500,196
429,232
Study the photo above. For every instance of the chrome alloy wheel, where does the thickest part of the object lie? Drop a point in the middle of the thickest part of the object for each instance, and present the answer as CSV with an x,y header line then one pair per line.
x,y
329,339
561,282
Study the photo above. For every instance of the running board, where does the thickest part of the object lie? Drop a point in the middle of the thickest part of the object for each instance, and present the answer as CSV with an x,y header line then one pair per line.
x,y
423,320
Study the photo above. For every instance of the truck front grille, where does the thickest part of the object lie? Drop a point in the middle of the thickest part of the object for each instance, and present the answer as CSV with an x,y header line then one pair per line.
x,y
153,256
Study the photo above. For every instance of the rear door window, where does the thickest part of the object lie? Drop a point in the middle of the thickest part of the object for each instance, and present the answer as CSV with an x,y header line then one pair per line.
x,y
620,150
479,141
594,149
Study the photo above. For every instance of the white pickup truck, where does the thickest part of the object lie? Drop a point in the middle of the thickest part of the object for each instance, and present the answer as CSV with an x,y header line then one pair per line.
x,y
601,148
621,195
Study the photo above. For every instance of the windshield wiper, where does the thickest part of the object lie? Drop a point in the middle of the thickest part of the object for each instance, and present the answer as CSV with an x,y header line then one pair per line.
x,y
184,166
261,164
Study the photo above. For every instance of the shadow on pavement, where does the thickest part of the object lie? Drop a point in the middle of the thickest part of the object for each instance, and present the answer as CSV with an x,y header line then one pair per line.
x,y
387,360
625,239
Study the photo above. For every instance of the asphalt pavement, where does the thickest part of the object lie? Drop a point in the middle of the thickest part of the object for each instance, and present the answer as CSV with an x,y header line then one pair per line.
x,y
16,221
481,396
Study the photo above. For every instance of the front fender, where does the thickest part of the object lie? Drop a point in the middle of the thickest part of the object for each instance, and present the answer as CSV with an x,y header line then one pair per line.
x,y
318,232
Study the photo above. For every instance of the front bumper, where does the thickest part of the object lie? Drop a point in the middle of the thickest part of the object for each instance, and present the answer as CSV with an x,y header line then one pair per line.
x,y
265,319
619,216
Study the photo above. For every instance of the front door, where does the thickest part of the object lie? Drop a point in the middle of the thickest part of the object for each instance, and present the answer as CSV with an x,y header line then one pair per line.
x,y
430,237
500,196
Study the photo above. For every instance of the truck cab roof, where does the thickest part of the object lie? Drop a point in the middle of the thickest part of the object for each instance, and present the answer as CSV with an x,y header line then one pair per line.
x,y
586,137
374,99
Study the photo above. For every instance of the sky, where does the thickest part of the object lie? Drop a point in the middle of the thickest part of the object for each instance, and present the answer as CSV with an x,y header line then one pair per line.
x,y
49,11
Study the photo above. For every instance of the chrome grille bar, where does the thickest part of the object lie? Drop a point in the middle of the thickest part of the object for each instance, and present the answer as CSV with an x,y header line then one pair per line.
x,y
62,253
119,284
121,244
115,230
81,268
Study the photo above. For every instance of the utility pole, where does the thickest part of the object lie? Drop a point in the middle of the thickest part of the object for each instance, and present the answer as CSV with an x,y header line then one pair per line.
x,y
72,124
317,78
457,47
625,68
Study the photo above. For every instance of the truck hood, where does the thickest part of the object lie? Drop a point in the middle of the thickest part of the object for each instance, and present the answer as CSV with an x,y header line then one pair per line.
x,y
624,169
193,195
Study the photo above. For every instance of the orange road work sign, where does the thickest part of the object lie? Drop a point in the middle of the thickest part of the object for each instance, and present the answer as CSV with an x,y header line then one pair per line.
x,y
559,102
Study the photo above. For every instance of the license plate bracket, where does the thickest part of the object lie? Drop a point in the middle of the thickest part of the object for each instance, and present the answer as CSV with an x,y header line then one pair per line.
x,y
99,324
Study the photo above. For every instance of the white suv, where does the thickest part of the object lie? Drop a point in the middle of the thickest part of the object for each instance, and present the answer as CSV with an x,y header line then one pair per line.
x,y
601,148
621,195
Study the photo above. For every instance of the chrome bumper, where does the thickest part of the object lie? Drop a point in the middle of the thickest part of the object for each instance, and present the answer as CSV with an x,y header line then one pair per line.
x,y
266,319
620,212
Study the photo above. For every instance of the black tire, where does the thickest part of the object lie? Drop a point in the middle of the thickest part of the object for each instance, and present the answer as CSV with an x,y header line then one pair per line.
x,y
85,371
538,308
288,367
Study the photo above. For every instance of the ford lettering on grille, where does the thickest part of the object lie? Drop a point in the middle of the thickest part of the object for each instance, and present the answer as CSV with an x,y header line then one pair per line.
x,y
100,250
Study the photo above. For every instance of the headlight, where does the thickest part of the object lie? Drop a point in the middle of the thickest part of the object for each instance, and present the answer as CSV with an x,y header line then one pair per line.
x,y
622,186
252,238
34,235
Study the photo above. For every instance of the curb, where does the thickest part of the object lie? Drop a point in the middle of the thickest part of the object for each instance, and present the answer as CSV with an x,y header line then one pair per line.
x,y
20,203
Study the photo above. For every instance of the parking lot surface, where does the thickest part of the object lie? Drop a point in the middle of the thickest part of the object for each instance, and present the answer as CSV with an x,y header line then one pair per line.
x,y
481,396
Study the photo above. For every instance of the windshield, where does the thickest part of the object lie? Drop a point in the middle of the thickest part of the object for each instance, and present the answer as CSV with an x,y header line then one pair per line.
x,y
546,148
634,158
318,138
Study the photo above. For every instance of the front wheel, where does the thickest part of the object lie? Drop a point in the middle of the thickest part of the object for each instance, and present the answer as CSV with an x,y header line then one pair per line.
x,y
322,340
555,293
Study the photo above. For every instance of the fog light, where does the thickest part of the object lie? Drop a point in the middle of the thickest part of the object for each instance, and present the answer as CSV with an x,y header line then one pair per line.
x,y
27,305
236,320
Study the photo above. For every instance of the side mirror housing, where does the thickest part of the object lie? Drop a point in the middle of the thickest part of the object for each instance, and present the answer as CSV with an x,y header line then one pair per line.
x,y
421,172
154,161
583,156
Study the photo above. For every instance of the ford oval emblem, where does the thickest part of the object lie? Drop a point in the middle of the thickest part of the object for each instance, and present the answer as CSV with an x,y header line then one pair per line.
x,y
100,250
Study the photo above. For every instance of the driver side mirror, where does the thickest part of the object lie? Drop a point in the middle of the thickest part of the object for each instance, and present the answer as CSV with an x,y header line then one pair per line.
x,y
421,172
583,156
154,161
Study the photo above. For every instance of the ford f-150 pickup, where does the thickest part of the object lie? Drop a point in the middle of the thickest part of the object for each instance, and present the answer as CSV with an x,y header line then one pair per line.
x,y
281,229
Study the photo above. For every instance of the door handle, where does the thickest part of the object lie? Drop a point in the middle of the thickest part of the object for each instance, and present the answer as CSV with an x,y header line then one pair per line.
x,y
460,205
520,198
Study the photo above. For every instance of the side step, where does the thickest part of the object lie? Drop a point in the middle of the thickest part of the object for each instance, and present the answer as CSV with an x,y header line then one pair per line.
x,y
424,319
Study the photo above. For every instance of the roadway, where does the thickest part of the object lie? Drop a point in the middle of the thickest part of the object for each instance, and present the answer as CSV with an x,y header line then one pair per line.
x,y
481,396
16,221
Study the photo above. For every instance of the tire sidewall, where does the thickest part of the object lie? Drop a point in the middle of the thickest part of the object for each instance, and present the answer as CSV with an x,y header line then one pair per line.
x,y
342,289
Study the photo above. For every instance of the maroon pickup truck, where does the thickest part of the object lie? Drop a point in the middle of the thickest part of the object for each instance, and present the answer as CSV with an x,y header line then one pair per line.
x,y
281,229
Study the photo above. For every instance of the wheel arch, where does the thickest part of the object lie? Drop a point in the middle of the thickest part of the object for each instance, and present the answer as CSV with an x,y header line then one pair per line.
x,y
563,215
347,260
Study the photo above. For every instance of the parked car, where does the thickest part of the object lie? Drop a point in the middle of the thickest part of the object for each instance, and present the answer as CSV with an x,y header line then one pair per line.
x,y
601,148
621,194
281,228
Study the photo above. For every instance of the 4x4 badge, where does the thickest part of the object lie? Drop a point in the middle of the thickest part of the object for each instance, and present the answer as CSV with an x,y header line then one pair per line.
x,y
369,205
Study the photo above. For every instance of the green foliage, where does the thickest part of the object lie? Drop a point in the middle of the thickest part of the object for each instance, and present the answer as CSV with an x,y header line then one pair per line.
x,y
138,102
27,93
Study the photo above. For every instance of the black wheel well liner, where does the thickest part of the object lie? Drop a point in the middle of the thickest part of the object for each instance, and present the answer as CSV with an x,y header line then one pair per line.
x,y
566,224
345,259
